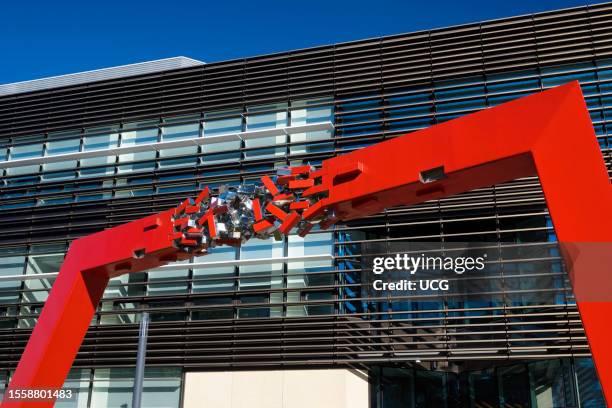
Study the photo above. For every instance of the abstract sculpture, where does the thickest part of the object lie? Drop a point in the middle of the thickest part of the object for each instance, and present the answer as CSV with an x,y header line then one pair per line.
x,y
547,134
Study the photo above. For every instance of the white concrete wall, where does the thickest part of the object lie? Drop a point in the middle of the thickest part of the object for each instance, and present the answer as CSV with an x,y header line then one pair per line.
x,y
338,388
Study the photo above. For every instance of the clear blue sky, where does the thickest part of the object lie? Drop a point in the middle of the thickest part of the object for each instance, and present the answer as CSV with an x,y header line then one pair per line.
x,y
45,38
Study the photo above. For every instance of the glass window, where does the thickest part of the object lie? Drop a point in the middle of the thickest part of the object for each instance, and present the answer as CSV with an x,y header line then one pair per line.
x,y
303,112
4,152
224,122
57,146
217,158
514,386
175,188
10,266
24,151
54,200
208,308
112,387
221,123
163,281
78,382
261,121
134,192
551,383
589,387
99,142
264,276
306,115
298,271
94,197
431,389
162,387
272,116
459,91
120,311
483,388
140,166
219,278
180,132
64,146
470,104
3,382
130,284
22,204
138,133
37,290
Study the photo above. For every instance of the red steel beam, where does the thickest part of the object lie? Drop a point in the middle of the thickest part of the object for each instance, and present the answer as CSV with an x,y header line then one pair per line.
x,y
547,134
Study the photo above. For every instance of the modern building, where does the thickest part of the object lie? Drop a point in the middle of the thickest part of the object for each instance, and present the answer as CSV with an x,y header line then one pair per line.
x,y
291,323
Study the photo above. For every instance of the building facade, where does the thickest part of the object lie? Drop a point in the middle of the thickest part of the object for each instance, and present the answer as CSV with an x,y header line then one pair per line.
x,y
90,152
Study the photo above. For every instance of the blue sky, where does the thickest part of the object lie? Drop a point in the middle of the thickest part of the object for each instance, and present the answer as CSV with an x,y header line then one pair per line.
x,y
40,39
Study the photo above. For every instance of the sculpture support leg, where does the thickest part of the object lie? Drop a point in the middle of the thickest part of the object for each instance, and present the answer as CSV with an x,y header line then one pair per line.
x,y
57,336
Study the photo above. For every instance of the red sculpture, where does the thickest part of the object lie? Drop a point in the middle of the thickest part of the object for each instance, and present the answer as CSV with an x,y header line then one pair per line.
x,y
548,134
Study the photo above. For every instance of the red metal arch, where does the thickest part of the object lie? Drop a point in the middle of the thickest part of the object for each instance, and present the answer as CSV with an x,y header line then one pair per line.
x,y
547,134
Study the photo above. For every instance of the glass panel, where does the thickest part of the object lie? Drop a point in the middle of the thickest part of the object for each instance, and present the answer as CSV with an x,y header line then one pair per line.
x,y
100,142
430,389
483,389
143,166
552,385
217,158
24,152
112,387
270,120
514,386
22,181
131,284
398,388
164,282
62,146
3,380
54,200
133,135
161,387
134,192
40,287
298,271
216,124
121,310
180,132
265,276
62,175
308,115
219,278
94,197
267,120
78,382
589,388
9,266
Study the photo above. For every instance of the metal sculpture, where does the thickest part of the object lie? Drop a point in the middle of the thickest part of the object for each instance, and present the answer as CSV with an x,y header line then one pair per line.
x,y
548,134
